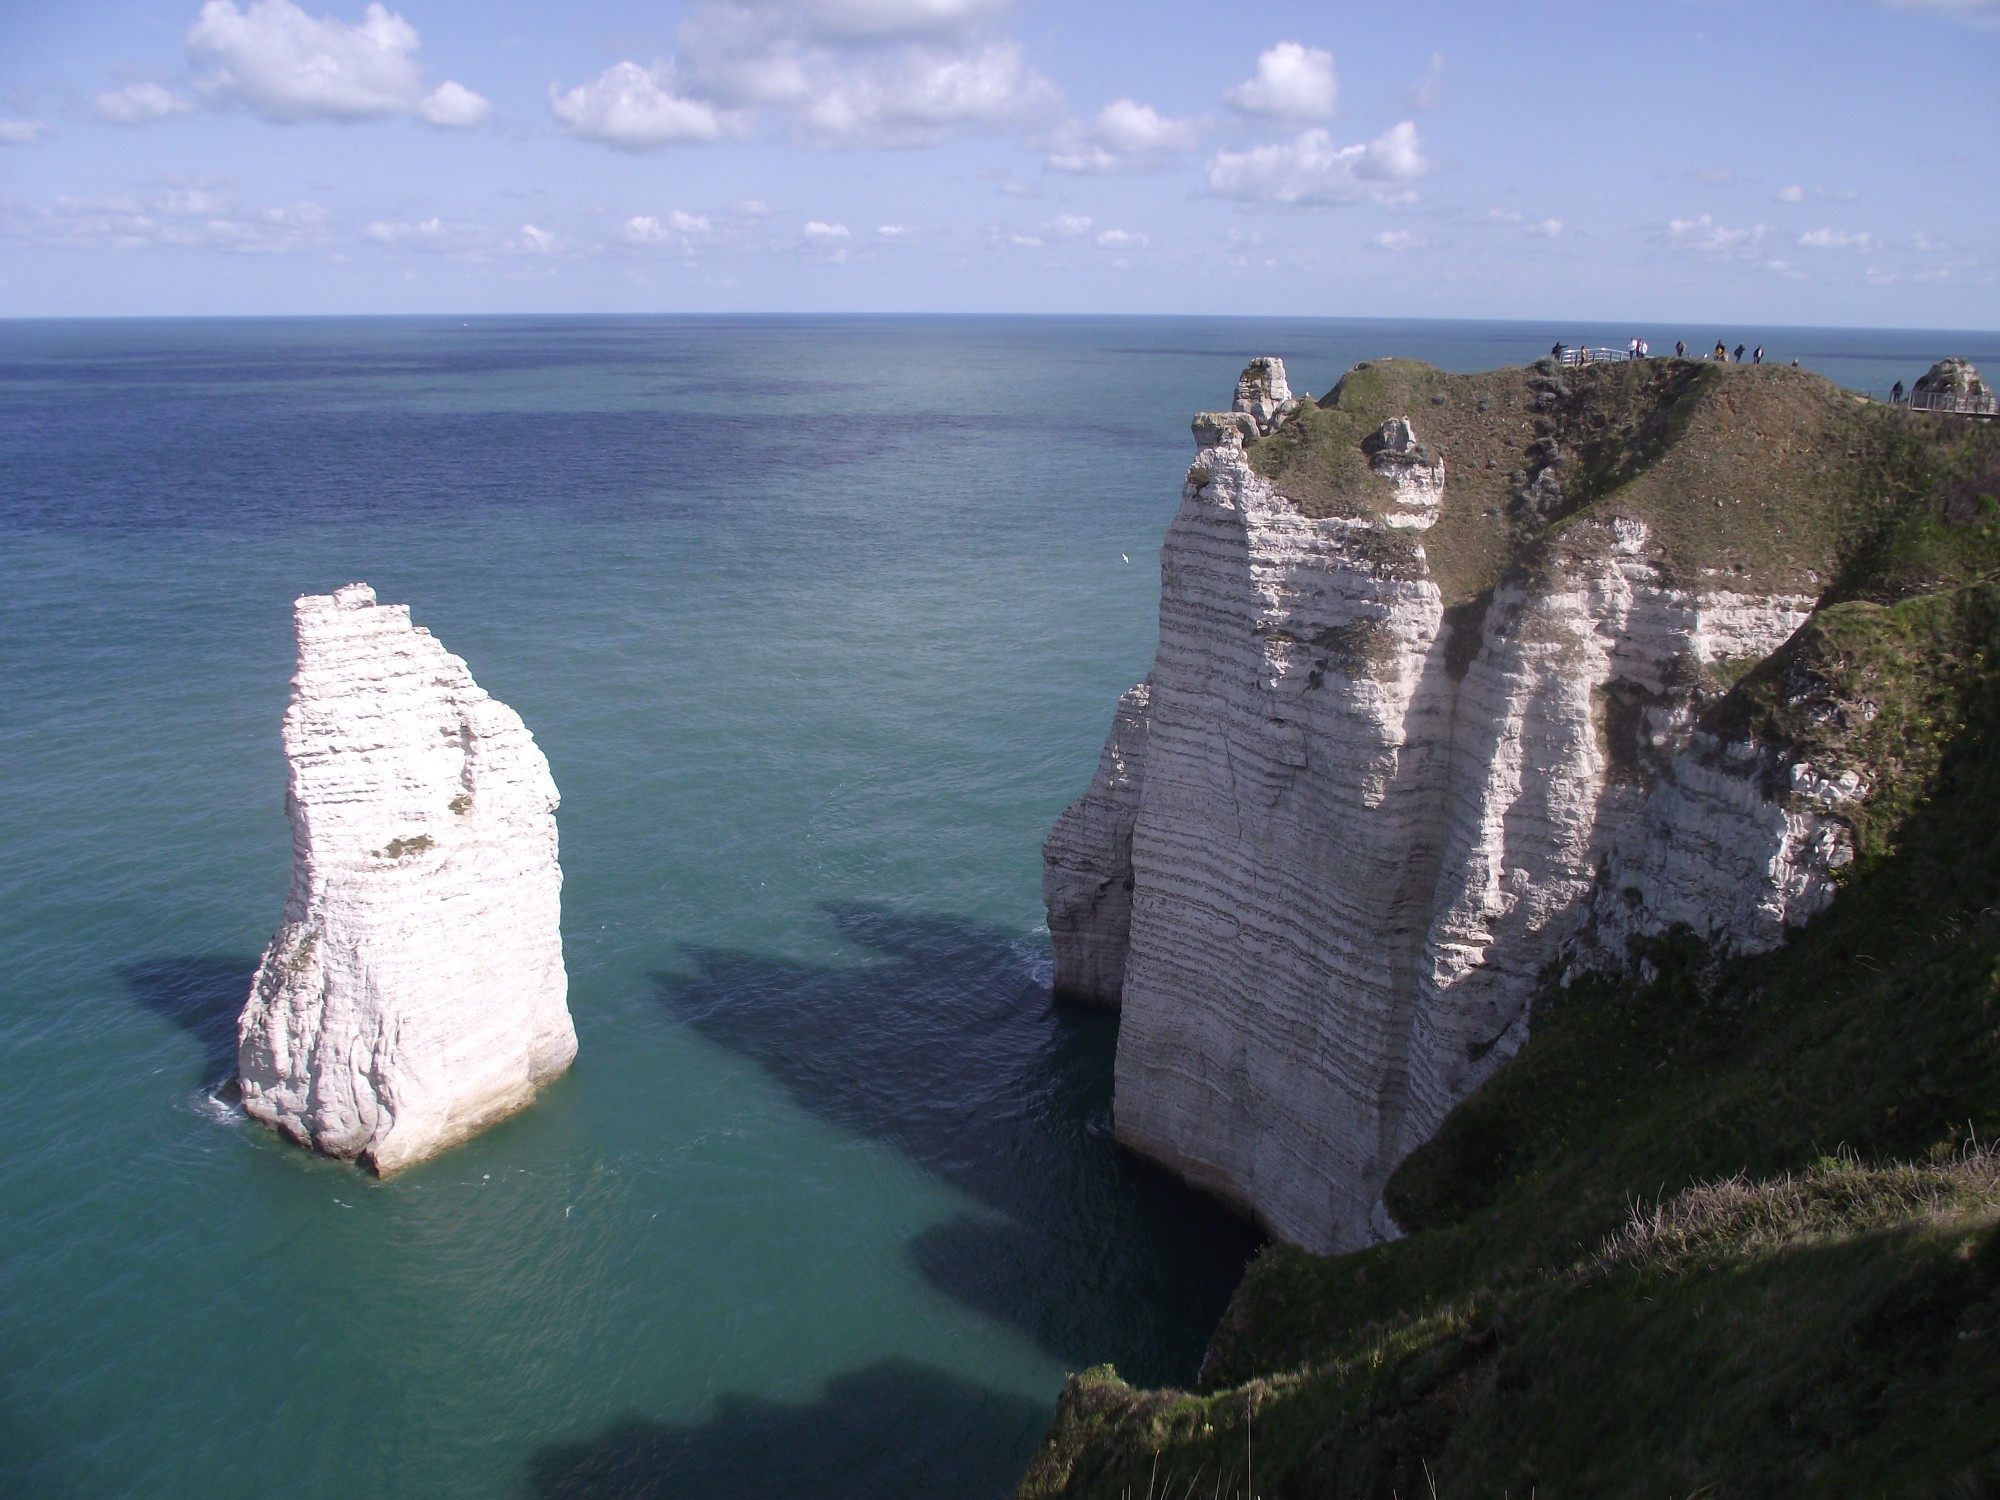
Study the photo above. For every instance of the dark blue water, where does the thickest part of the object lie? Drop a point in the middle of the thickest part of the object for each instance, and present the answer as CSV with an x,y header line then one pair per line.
x,y
820,623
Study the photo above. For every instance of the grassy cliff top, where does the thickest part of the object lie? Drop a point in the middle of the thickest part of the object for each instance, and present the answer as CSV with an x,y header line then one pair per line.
x,y
1732,1229
1766,474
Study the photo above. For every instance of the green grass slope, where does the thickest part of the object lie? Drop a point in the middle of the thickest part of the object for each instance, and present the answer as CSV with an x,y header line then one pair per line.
x,y
1734,1231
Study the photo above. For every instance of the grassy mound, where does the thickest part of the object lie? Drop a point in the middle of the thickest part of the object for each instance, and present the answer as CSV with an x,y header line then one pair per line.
x,y
1761,472
1734,1230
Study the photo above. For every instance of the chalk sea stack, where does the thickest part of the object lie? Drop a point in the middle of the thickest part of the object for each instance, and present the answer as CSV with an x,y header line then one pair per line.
x,y
415,991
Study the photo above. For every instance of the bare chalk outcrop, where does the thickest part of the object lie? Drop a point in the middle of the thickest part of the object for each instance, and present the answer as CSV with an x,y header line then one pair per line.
x,y
1341,834
415,991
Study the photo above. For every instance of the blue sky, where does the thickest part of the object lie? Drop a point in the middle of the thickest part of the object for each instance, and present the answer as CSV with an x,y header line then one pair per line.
x,y
1793,161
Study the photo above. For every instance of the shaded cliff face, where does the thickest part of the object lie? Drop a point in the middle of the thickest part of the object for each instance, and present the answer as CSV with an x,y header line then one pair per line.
x,y
415,991
1434,712
1087,863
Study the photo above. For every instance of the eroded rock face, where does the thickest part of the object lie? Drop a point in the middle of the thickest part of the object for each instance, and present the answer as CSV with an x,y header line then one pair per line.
x,y
415,991
1087,864
1952,377
1357,845
1262,390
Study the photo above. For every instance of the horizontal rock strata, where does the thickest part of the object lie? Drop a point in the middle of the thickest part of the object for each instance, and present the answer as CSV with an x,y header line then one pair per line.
x,y
1353,844
415,991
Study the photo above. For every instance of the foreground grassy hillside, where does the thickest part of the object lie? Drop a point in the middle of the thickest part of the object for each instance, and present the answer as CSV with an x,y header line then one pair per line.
x,y
1734,1230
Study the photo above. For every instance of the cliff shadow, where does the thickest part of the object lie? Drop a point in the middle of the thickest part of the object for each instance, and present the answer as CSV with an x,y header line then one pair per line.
x,y
892,1430
948,1045
203,995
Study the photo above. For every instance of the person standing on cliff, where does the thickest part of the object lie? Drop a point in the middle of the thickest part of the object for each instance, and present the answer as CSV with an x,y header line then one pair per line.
x,y
1739,354
1757,358
1680,349
1720,352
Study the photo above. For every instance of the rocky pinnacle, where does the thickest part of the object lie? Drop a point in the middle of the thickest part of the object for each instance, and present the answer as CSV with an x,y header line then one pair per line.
x,y
415,992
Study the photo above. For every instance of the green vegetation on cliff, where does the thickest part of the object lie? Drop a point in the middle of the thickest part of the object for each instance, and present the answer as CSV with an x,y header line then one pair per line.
x,y
1731,1228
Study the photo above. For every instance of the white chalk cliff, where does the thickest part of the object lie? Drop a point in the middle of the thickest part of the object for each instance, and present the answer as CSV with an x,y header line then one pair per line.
x,y
1327,858
415,991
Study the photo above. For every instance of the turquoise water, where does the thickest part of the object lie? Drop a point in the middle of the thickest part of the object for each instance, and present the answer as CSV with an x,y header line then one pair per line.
x,y
820,623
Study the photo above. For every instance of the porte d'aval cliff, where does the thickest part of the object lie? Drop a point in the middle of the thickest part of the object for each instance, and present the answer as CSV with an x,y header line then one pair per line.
x,y
1551,880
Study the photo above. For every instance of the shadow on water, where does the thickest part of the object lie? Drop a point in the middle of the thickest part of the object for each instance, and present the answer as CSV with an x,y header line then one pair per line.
x,y
949,1048
203,995
892,1429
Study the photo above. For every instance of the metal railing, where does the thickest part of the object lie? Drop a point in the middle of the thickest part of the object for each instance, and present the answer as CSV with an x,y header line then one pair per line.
x,y
1963,403
1595,356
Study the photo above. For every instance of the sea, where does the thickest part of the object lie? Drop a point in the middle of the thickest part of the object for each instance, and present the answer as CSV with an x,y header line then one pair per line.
x,y
820,622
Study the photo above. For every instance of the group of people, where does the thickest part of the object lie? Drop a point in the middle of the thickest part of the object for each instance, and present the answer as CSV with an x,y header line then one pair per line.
x,y
1639,349
1728,358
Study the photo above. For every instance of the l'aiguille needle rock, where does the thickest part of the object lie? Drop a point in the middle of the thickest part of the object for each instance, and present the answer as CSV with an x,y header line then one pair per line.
x,y
415,991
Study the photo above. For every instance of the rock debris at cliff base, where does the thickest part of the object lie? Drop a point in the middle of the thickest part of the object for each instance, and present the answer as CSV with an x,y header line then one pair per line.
x,y
414,993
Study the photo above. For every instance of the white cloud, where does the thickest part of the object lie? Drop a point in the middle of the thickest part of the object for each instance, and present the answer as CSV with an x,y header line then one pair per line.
x,y
1126,136
635,109
538,241
1703,236
1292,82
859,72
1396,155
894,231
1429,92
1972,12
1709,176
192,201
394,233
140,104
1123,239
1547,229
285,65
822,233
679,228
1012,186
273,231
453,106
465,241
1068,226
882,19
1397,241
1312,171
1796,193
21,132
1836,239
918,95
174,217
